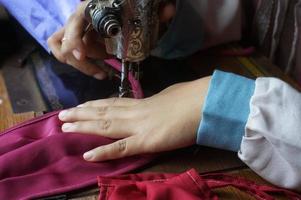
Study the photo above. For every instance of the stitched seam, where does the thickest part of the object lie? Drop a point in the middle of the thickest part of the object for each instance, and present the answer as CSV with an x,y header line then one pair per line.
x,y
106,186
194,180
107,192
156,180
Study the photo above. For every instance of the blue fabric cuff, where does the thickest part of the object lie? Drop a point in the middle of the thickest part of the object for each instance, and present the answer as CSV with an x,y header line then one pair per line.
x,y
225,111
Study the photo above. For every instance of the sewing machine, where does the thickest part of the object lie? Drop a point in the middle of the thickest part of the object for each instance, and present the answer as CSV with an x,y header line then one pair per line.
x,y
214,160
130,29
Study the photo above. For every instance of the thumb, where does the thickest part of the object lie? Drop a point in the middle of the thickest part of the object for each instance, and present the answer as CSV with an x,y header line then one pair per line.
x,y
122,148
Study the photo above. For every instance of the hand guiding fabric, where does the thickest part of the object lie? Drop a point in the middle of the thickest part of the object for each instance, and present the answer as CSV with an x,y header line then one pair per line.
x,y
141,126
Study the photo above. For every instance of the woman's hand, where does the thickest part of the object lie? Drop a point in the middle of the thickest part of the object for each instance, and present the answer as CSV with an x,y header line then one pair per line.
x,y
163,122
72,46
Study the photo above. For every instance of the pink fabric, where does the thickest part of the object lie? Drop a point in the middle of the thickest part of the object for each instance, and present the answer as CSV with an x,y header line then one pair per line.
x,y
188,185
38,160
135,84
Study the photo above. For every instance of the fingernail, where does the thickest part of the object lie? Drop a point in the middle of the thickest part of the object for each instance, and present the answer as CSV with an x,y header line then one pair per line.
x,y
88,155
99,76
67,127
77,54
80,105
63,114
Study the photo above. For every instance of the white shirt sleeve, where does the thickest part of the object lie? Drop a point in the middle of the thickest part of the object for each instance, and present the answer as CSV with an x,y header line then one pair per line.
x,y
271,145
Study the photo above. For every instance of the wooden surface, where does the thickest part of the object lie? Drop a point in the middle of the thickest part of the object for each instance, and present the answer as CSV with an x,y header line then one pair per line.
x,y
201,158
7,118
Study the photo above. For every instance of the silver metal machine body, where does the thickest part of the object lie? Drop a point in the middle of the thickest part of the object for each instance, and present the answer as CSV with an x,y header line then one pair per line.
x,y
130,29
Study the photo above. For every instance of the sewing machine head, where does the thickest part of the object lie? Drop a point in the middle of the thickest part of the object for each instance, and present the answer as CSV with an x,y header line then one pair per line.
x,y
130,29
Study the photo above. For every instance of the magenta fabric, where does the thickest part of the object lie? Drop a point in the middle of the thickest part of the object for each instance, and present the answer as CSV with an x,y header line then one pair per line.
x,y
188,185
38,160
135,84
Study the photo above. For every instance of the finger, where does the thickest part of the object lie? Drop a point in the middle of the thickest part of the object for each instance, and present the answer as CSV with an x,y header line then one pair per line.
x,y
55,43
93,113
74,30
111,102
122,148
115,129
86,67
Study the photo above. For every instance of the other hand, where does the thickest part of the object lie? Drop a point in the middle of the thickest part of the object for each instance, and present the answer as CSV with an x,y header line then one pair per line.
x,y
71,46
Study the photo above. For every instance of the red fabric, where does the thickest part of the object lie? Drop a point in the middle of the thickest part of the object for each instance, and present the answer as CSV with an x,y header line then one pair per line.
x,y
38,160
188,185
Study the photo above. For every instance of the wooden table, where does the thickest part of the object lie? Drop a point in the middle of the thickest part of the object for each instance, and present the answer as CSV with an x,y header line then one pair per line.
x,y
201,158
7,118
